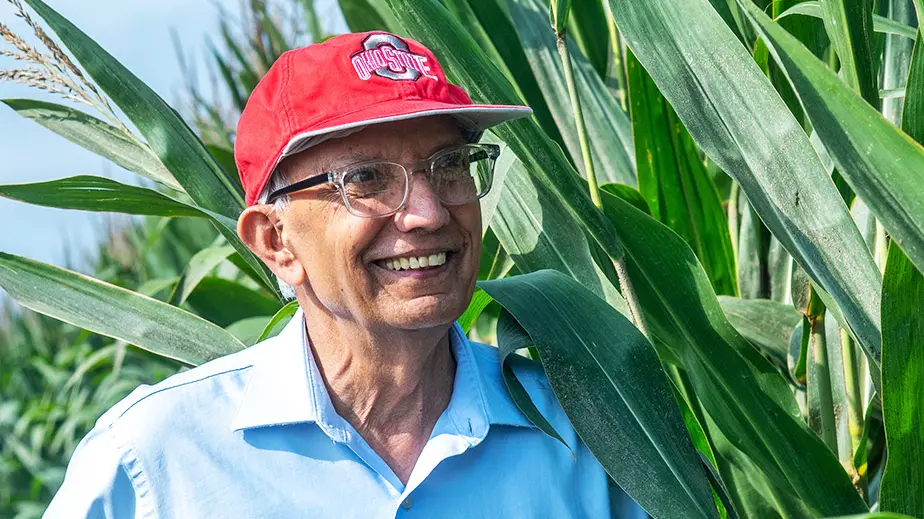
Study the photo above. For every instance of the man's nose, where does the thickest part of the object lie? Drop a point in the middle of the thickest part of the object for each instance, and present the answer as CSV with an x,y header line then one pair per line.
x,y
423,209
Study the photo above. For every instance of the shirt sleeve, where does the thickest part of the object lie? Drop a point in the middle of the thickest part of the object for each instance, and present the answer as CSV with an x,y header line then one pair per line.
x,y
96,485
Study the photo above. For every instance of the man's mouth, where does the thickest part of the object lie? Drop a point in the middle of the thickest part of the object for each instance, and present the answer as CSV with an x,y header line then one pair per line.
x,y
414,262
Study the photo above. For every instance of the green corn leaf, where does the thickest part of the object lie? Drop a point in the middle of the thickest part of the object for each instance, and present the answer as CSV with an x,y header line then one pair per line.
x,y
878,515
512,337
747,399
764,323
113,311
674,180
559,10
224,156
896,60
629,194
283,314
480,301
174,142
902,487
199,266
608,128
584,343
881,24
811,32
588,27
537,233
248,329
495,21
88,193
178,148
752,251
97,136
365,15
211,295
734,114
849,24
886,175
467,17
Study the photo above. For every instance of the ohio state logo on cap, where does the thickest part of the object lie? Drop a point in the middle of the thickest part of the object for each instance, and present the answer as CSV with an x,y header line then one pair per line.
x,y
388,56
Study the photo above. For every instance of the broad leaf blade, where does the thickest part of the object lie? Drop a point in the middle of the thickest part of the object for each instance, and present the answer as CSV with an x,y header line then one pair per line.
x,y
538,233
198,267
743,394
211,295
736,117
886,175
480,301
284,313
849,24
495,20
180,151
880,23
88,193
674,180
174,142
902,487
96,136
584,343
764,323
608,128
113,311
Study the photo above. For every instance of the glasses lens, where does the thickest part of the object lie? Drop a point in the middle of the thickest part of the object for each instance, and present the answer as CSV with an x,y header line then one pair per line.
x,y
374,189
464,175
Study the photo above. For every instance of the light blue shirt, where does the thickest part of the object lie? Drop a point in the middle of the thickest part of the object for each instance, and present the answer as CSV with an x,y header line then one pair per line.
x,y
254,435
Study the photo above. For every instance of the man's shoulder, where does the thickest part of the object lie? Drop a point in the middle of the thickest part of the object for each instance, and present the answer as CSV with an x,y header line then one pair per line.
x,y
211,387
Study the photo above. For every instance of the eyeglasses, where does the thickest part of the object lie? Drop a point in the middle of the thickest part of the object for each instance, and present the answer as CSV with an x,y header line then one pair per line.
x,y
458,175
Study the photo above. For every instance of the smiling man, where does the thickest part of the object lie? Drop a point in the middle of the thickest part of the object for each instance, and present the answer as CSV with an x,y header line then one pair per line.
x,y
363,174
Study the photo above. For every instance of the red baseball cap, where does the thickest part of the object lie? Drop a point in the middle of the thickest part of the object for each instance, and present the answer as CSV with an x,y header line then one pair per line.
x,y
331,89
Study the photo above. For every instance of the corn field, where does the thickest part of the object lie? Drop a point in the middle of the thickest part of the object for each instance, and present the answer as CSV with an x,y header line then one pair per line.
x,y
711,234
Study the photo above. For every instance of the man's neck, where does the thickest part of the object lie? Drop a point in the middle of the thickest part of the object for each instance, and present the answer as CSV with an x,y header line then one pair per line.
x,y
391,387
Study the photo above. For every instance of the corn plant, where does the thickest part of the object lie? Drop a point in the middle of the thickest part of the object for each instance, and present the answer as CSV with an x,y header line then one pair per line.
x,y
56,379
716,218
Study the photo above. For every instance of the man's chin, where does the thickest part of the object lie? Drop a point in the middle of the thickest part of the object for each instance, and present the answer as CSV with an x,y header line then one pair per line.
x,y
424,312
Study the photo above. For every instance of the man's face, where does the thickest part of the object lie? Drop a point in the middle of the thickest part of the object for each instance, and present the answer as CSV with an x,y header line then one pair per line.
x,y
345,256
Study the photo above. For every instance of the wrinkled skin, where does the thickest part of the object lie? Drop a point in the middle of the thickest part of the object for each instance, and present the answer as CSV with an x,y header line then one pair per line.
x,y
330,254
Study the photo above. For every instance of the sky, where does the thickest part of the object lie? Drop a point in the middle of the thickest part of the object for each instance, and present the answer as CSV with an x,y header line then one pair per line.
x,y
137,33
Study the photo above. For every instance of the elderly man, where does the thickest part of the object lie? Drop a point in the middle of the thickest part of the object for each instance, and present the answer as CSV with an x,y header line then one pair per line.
x,y
362,174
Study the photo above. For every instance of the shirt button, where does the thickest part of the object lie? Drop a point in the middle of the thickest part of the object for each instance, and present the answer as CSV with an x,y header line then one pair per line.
x,y
408,503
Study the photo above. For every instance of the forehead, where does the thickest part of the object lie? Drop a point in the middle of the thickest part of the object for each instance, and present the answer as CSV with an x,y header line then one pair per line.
x,y
413,139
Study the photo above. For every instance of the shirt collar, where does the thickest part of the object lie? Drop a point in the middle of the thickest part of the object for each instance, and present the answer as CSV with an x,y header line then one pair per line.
x,y
285,387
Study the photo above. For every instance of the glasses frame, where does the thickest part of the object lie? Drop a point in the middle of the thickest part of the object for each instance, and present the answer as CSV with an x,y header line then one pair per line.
x,y
336,176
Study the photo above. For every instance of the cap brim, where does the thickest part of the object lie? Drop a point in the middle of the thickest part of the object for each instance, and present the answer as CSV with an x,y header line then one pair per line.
x,y
473,119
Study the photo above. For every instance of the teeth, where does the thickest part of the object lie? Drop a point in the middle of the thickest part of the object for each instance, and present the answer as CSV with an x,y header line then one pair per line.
x,y
415,262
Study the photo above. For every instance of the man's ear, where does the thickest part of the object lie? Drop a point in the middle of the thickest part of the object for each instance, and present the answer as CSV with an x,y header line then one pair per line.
x,y
261,229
